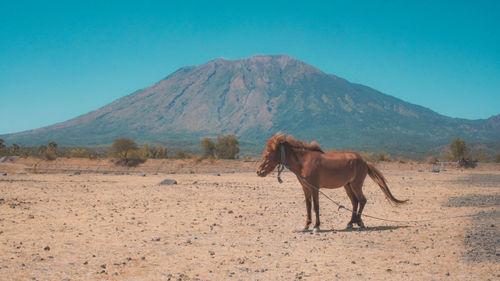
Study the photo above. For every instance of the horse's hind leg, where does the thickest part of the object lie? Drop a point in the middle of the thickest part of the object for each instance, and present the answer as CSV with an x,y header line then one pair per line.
x,y
354,202
357,189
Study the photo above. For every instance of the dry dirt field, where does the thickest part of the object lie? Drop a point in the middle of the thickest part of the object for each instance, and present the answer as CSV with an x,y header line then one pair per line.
x,y
70,220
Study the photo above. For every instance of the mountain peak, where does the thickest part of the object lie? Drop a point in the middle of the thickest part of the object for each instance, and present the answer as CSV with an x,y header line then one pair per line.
x,y
265,61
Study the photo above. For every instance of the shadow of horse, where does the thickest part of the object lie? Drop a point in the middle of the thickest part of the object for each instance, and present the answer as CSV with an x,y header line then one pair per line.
x,y
370,228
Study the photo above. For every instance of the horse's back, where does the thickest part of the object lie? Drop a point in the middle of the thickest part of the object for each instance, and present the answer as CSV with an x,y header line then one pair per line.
x,y
347,156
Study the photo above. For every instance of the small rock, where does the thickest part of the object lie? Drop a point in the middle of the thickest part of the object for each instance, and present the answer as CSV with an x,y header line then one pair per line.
x,y
211,252
31,216
47,248
436,170
3,174
230,212
155,239
168,182
142,174
103,266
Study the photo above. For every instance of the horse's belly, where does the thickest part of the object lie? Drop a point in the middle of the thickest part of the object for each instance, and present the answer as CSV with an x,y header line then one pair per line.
x,y
334,178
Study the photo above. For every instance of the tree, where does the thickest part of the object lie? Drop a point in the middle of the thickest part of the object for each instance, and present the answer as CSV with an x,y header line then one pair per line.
x,y
145,151
42,148
2,148
159,151
227,147
125,149
180,154
207,147
53,145
52,149
47,153
15,149
458,149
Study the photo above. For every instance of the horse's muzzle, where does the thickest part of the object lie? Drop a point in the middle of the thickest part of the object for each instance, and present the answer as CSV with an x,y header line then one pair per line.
x,y
262,171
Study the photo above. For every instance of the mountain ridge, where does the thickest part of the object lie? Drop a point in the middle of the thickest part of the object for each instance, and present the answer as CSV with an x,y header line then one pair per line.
x,y
257,96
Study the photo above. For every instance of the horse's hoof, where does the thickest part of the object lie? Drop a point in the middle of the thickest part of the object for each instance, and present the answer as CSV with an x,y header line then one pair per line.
x,y
361,224
349,226
316,230
305,229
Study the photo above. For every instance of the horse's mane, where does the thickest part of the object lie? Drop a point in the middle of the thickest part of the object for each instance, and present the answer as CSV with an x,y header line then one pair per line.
x,y
280,138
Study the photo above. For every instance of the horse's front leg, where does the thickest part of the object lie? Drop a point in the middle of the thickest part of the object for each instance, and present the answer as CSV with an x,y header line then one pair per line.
x,y
307,195
315,195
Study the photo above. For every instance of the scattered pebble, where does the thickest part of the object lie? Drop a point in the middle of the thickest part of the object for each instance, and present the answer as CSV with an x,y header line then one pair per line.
x,y
168,182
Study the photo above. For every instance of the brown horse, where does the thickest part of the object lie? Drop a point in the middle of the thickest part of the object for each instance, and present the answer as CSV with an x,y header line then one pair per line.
x,y
316,169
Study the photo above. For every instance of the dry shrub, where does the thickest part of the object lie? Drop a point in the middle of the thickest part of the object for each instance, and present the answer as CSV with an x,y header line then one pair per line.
x,y
431,160
382,156
79,153
366,155
49,154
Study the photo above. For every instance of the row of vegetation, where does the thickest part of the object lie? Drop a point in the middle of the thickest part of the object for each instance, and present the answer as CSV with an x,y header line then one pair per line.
x,y
128,151
223,147
457,150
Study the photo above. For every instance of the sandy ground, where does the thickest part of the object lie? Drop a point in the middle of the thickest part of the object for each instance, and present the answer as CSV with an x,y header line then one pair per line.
x,y
222,222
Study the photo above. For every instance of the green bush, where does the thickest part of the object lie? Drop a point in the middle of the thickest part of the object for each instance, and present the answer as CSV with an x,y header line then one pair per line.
x,y
180,154
158,152
145,151
458,149
47,153
227,147
207,147
127,151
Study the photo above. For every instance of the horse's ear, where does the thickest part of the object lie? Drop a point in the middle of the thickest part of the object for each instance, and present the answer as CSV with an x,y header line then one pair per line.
x,y
281,138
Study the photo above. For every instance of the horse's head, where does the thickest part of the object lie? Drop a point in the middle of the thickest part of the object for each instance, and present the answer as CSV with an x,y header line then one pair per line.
x,y
271,155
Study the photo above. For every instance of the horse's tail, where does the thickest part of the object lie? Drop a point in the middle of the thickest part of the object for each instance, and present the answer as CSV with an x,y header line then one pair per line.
x,y
377,177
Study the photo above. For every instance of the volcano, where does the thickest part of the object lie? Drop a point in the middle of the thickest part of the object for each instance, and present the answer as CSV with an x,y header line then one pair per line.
x,y
255,97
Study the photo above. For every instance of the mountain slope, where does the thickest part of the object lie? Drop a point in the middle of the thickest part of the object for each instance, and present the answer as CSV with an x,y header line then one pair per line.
x,y
255,97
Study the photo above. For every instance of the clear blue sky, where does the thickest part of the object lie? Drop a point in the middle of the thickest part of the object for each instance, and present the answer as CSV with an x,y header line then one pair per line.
x,y
61,59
